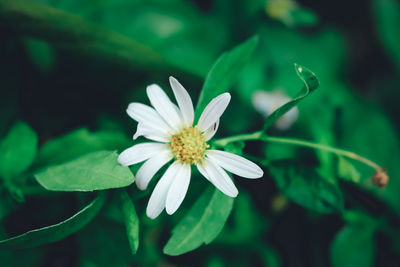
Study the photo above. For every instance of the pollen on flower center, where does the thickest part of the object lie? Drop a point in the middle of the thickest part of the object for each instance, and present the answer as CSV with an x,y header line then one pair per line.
x,y
189,145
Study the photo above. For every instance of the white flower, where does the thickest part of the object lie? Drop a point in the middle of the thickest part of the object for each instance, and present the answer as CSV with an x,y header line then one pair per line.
x,y
267,102
176,139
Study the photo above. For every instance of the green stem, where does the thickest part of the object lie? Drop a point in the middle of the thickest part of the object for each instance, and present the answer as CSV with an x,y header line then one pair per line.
x,y
297,142
242,137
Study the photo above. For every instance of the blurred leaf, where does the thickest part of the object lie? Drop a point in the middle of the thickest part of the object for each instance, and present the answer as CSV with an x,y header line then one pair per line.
x,y
202,223
290,13
347,171
104,244
176,29
387,14
310,84
41,53
306,187
57,231
303,17
16,192
215,262
109,124
248,224
77,143
68,31
377,140
6,207
361,219
95,171
269,256
353,246
20,258
279,9
241,113
131,220
17,150
274,151
224,72
322,128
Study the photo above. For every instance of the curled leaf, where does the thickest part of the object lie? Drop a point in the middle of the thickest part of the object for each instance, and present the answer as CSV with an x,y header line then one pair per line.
x,y
310,84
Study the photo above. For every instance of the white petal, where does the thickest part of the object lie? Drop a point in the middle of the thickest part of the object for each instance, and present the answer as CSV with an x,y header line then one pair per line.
x,y
148,131
184,101
210,132
213,111
158,197
140,152
145,114
235,164
178,111
178,189
203,171
219,178
150,168
164,106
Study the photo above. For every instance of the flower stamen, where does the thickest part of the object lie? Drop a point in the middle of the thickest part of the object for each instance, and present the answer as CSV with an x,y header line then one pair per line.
x,y
189,145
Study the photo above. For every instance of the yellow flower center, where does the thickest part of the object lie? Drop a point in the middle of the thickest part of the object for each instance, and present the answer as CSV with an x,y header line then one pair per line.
x,y
189,145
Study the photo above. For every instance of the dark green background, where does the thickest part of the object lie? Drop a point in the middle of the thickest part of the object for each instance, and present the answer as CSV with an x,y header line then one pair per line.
x,y
81,63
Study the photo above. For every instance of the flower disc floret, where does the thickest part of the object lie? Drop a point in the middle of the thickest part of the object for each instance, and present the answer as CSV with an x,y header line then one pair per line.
x,y
189,146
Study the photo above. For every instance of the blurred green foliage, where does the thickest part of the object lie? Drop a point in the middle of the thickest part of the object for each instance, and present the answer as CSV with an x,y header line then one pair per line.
x,y
69,68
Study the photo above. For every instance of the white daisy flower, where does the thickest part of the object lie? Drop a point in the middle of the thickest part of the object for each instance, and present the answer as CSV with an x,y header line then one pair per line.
x,y
177,139
267,102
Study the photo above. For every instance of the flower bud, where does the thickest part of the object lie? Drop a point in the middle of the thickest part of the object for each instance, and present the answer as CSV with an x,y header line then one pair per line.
x,y
380,178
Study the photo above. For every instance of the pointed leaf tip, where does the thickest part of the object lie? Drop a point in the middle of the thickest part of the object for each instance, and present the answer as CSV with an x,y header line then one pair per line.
x,y
310,84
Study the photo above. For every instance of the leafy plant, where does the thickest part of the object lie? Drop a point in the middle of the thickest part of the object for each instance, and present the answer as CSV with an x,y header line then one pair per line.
x,y
328,195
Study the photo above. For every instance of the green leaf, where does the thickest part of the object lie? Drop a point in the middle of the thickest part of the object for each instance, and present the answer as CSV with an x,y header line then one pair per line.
x,y
356,135
224,72
17,150
77,143
246,223
57,231
306,187
103,244
95,171
387,14
41,53
69,31
303,17
347,171
270,256
290,13
202,223
353,246
131,220
310,84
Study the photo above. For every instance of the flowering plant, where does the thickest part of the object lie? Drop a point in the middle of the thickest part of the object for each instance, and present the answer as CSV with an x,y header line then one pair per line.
x,y
185,144
76,189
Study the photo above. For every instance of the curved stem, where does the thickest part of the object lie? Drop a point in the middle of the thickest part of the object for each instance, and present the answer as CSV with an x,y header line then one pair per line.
x,y
297,142
242,137
337,151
